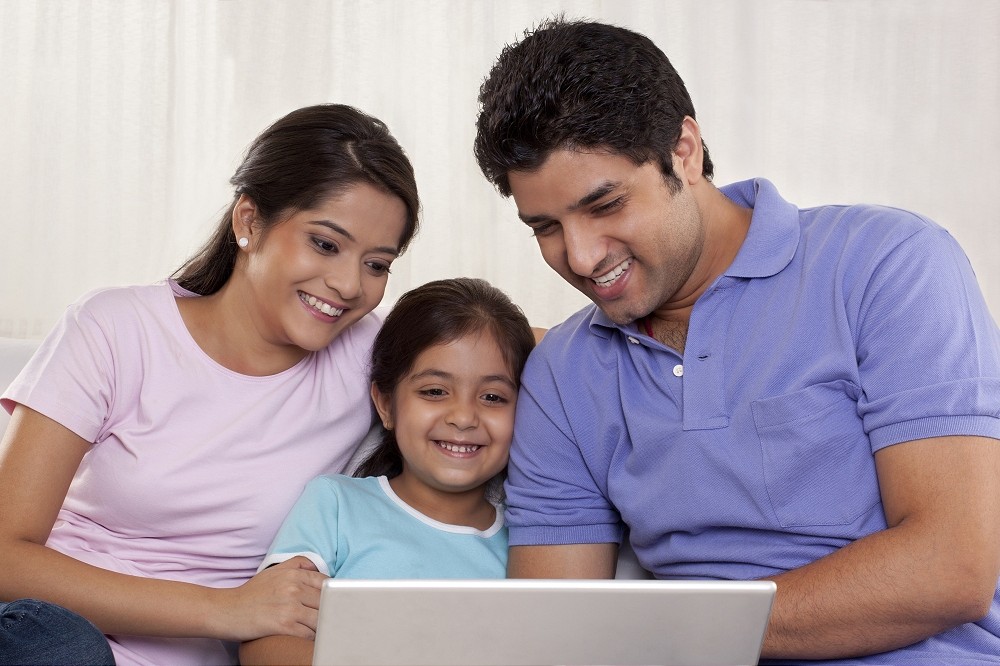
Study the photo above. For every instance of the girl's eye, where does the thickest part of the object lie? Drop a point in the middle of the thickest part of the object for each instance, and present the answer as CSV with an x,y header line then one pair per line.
x,y
432,392
323,245
495,398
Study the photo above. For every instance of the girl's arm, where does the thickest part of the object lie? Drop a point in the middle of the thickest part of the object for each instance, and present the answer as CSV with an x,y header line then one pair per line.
x,y
38,458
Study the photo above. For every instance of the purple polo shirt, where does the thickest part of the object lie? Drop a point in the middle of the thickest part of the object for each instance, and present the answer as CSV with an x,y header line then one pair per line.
x,y
837,331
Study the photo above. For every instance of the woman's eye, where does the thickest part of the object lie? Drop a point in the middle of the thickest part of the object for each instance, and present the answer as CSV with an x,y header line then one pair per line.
x,y
323,245
379,267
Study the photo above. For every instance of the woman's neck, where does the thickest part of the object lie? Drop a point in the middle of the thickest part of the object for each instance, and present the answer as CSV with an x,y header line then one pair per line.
x,y
226,331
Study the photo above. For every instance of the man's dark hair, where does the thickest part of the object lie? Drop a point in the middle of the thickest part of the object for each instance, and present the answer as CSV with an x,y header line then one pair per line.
x,y
580,85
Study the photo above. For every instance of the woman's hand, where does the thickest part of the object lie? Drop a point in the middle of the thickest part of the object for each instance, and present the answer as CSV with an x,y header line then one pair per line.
x,y
280,600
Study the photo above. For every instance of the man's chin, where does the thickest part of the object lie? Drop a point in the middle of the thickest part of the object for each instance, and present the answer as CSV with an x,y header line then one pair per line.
x,y
619,315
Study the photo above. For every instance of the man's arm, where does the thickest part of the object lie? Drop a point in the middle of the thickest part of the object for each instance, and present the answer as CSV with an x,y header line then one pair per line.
x,y
935,567
578,560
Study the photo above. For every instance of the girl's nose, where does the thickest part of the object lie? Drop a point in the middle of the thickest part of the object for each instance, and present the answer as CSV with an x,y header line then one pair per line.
x,y
463,415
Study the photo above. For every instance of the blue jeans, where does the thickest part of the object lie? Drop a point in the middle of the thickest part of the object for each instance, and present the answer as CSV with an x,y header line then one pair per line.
x,y
37,632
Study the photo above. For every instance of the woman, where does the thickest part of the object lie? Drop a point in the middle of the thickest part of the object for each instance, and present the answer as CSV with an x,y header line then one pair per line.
x,y
161,433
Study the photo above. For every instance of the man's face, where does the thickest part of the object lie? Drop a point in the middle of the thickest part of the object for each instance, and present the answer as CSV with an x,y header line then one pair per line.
x,y
612,229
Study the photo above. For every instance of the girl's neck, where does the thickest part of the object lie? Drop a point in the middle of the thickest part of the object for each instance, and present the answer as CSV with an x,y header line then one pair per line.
x,y
469,508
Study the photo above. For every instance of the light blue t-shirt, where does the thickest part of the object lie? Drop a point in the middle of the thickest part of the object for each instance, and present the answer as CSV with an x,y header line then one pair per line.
x,y
360,528
836,331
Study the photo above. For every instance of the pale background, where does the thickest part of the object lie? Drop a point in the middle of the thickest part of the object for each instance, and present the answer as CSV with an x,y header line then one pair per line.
x,y
122,120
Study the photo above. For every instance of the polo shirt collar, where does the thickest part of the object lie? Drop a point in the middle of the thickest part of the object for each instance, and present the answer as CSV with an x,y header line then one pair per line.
x,y
774,229
769,246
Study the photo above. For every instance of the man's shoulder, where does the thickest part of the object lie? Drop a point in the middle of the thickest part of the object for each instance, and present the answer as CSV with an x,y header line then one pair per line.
x,y
866,223
580,330
571,350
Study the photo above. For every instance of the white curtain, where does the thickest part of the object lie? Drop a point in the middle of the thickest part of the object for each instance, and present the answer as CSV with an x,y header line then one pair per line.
x,y
121,121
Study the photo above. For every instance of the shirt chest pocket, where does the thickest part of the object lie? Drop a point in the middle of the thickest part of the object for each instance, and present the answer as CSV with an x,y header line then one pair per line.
x,y
817,460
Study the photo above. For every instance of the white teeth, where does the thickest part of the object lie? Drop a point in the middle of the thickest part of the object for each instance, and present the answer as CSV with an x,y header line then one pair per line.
x,y
319,305
459,448
608,278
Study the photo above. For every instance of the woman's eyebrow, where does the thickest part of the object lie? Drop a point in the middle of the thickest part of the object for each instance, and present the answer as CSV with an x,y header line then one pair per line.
x,y
337,229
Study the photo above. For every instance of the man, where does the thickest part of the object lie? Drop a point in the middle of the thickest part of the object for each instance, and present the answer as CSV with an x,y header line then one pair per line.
x,y
806,396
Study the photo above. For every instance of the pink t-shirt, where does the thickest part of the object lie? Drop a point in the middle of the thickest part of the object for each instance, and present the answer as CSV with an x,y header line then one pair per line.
x,y
193,466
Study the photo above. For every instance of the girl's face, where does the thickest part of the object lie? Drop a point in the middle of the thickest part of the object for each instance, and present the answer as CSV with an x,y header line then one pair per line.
x,y
313,275
453,415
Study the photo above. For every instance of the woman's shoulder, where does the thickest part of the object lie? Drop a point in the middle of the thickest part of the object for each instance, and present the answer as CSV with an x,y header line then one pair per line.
x,y
119,301
356,341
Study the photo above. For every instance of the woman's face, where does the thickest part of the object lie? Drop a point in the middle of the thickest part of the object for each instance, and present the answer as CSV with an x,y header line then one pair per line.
x,y
314,274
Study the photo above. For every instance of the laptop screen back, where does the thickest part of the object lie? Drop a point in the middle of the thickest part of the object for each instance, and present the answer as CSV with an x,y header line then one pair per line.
x,y
522,622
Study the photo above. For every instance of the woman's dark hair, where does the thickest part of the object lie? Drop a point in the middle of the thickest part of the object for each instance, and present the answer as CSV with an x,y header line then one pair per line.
x,y
576,84
437,313
302,159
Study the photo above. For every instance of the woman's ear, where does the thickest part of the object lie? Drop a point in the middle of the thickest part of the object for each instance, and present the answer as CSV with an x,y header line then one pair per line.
x,y
244,217
383,405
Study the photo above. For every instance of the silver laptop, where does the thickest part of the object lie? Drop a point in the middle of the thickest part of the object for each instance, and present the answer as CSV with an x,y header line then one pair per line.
x,y
541,622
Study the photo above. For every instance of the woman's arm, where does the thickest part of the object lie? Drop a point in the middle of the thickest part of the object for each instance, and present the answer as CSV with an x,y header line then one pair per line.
x,y
289,650
38,458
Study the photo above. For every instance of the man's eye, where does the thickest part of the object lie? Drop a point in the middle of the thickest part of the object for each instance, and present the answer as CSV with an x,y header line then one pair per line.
x,y
543,229
610,206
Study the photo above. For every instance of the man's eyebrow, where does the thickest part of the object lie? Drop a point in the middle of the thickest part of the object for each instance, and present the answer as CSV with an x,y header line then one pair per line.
x,y
596,194
337,229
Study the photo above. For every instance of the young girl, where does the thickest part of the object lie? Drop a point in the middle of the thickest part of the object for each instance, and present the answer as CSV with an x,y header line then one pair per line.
x,y
162,432
445,374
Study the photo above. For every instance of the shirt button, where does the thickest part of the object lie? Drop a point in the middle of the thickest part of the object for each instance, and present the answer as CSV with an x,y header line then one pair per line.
x,y
678,370
633,340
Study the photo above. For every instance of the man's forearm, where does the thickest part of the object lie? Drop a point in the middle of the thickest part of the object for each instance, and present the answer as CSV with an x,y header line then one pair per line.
x,y
880,593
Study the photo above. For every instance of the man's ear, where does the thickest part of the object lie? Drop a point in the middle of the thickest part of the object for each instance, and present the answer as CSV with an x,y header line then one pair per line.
x,y
689,151
383,405
244,218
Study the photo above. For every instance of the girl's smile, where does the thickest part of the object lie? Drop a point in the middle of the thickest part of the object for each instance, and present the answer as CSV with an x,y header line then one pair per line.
x,y
453,418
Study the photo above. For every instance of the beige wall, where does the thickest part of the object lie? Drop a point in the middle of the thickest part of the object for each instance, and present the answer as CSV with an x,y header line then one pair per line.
x,y
122,121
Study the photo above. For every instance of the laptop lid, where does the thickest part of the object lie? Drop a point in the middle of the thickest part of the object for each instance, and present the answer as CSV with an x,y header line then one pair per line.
x,y
541,622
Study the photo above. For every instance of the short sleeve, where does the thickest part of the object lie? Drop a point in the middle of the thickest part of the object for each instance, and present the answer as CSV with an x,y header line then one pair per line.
x,y
552,497
310,529
928,349
72,376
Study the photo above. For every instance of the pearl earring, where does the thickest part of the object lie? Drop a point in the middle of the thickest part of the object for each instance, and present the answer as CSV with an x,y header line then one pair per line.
x,y
243,242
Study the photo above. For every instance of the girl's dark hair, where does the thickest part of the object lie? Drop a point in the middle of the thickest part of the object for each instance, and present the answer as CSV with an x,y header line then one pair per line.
x,y
437,313
580,85
302,159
